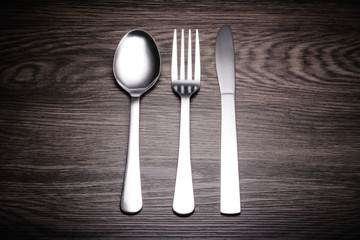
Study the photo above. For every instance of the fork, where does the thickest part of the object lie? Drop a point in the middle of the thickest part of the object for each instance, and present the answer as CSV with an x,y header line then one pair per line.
x,y
183,202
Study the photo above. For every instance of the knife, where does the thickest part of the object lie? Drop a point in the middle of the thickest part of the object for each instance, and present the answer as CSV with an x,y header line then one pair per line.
x,y
225,68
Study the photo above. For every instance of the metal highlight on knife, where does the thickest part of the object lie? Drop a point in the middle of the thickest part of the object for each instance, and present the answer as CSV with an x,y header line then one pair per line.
x,y
225,68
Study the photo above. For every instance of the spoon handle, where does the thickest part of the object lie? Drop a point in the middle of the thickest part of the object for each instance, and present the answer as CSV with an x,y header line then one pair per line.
x,y
131,200
183,203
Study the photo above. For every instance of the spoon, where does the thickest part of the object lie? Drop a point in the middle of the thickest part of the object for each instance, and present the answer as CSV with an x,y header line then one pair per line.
x,y
136,68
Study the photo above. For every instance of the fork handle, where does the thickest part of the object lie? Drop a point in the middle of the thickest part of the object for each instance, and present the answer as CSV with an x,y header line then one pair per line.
x,y
183,203
131,200
230,189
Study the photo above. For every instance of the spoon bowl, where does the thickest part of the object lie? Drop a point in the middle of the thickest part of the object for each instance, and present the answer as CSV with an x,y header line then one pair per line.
x,y
136,68
137,62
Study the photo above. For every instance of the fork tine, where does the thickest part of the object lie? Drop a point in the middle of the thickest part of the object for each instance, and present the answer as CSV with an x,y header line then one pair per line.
x,y
174,73
197,58
189,60
182,57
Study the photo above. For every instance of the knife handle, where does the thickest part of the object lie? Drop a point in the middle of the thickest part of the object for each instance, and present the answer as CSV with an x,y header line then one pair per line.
x,y
230,188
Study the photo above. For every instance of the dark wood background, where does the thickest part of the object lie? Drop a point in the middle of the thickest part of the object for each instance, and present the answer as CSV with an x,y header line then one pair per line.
x,y
64,121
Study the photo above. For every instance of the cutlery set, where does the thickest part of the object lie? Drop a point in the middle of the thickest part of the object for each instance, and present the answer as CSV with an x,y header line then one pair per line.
x,y
136,68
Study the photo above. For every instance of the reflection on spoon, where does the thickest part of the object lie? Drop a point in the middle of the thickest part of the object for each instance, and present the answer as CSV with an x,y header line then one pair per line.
x,y
136,68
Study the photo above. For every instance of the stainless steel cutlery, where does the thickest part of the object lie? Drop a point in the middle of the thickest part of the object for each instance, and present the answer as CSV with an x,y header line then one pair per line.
x,y
185,87
225,67
136,68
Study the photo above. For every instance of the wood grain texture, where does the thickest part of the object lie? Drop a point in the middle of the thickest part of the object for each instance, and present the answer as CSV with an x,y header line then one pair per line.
x,y
64,121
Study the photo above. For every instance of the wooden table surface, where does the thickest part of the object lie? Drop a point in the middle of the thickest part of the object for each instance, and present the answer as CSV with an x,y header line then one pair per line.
x,y
64,122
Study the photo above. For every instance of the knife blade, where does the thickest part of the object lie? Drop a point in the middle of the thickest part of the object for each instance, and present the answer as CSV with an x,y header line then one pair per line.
x,y
225,68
